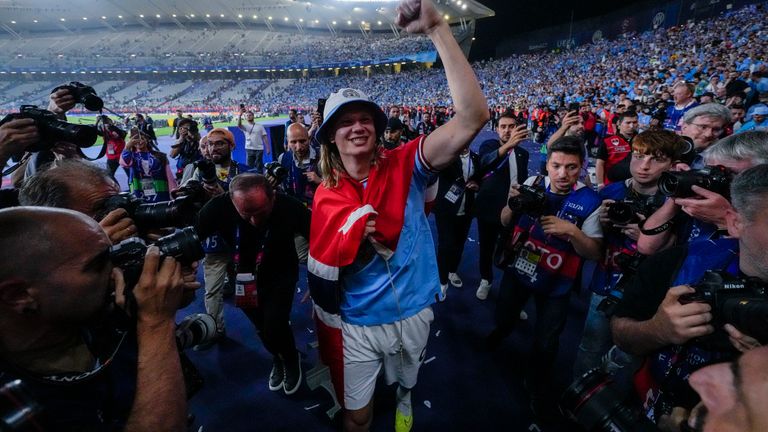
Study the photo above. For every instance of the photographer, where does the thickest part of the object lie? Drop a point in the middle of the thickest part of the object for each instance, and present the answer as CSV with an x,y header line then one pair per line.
x,y
53,335
659,319
556,227
624,204
301,166
259,227
702,216
150,176
215,173
82,186
185,149
114,139
15,136
61,100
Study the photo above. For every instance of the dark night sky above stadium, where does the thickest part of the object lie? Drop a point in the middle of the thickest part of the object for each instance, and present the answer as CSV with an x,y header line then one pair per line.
x,y
514,17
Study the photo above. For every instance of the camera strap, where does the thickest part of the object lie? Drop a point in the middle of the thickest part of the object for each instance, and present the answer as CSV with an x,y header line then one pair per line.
x,y
654,231
21,162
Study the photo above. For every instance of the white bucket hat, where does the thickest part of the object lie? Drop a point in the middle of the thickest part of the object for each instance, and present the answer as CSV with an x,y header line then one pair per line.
x,y
341,98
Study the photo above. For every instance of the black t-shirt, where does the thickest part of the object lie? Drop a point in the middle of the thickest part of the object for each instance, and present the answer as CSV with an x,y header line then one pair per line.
x,y
646,290
280,263
97,400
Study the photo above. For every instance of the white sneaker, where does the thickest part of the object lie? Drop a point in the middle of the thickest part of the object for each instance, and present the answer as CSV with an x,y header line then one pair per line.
x,y
482,290
523,315
443,292
455,280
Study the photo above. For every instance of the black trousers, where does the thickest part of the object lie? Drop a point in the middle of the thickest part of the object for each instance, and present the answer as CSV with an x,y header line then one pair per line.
x,y
551,315
271,319
452,233
488,233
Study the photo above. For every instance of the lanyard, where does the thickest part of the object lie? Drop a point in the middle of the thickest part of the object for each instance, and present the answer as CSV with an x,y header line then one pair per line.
x,y
259,254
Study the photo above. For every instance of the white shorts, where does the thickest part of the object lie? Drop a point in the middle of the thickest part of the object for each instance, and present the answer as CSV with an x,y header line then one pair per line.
x,y
368,348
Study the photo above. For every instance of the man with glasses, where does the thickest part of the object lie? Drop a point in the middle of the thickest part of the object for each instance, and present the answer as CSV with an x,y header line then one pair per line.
x,y
218,255
704,125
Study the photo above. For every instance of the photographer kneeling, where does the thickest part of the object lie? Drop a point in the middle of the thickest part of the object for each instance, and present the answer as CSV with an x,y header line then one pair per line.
x,y
705,317
55,338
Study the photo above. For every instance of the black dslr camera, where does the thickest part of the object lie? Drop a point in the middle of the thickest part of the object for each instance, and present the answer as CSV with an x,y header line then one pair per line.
x,y
628,263
178,213
737,301
207,170
625,212
52,130
531,201
83,94
129,254
276,170
677,184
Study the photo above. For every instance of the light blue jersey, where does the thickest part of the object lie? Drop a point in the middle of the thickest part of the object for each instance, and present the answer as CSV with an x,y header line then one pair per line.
x,y
369,298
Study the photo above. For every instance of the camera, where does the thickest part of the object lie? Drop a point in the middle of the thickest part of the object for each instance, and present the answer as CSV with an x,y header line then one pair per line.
x,y
734,300
207,170
129,254
184,245
628,263
531,201
194,330
276,170
52,130
594,402
677,184
83,94
625,211
194,190
177,213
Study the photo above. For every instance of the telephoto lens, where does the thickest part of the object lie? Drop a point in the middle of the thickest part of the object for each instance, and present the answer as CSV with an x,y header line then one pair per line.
x,y
593,402
194,330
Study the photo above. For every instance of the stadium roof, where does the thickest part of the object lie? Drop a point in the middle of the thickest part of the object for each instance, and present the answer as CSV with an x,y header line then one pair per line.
x,y
25,17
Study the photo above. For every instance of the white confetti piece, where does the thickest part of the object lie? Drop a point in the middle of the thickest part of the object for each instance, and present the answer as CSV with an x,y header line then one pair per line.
x,y
429,359
311,407
428,404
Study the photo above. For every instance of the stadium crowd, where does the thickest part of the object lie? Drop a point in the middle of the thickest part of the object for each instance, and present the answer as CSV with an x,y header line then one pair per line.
x,y
652,194
230,48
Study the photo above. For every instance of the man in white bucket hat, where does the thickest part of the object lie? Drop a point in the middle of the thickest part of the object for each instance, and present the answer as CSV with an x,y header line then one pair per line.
x,y
372,266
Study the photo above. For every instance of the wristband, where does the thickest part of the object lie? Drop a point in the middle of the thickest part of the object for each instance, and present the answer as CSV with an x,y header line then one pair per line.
x,y
658,230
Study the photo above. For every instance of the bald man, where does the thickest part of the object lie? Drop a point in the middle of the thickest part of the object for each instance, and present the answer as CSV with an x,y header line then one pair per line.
x,y
55,338
301,163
